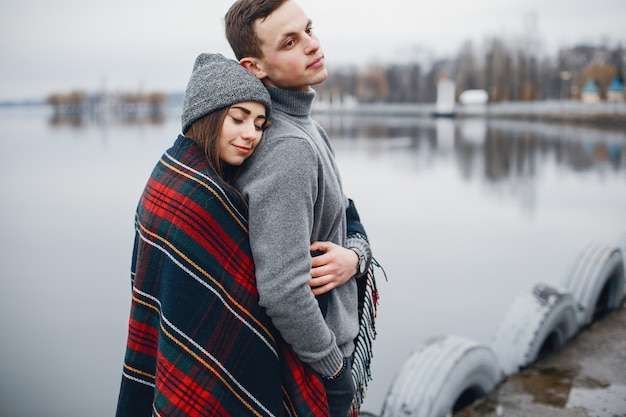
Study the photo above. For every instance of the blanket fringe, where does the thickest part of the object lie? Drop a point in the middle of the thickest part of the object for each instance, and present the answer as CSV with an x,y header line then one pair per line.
x,y
363,353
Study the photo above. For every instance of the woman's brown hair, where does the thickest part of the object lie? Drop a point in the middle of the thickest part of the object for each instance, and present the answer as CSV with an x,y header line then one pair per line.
x,y
205,133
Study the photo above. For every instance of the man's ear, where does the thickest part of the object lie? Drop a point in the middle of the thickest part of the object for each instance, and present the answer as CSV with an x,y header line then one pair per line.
x,y
254,66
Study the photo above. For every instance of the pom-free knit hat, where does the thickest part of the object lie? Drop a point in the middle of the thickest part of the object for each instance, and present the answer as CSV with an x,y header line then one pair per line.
x,y
217,82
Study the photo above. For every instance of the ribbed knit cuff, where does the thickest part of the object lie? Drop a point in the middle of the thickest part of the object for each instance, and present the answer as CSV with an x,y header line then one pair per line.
x,y
358,244
328,365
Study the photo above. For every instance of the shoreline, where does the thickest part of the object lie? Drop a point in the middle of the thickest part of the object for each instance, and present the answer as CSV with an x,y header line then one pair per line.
x,y
604,114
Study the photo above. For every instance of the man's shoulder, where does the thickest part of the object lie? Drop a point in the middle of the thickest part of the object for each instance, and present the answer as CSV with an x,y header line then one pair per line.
x,y
287,133
283,144
284,126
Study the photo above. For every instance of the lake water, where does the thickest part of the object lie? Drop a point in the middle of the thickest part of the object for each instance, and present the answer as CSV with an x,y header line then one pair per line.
x,y
463,215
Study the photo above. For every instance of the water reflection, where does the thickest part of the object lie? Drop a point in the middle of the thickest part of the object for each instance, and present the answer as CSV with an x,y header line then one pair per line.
x,y
106,117
508,148
506,154
441,200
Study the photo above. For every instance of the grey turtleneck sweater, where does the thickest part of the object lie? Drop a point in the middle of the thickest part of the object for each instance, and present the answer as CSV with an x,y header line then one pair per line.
x,y
295,197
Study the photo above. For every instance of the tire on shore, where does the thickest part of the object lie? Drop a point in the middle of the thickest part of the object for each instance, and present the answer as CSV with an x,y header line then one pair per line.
x,y
537,323
596,281
442,375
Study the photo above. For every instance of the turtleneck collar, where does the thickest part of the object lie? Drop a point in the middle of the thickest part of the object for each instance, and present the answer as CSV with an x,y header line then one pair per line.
x,y
292,102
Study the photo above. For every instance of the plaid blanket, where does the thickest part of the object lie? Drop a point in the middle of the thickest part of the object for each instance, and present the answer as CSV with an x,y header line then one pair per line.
x,y
198,342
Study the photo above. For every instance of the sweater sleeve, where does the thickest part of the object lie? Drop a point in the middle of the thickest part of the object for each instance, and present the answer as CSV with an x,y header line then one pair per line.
x,y
282,186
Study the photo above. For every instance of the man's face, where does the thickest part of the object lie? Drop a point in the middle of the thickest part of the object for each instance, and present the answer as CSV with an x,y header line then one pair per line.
x,y
292,56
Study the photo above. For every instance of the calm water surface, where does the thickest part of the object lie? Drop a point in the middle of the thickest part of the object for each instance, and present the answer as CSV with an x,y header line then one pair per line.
x,y
463,215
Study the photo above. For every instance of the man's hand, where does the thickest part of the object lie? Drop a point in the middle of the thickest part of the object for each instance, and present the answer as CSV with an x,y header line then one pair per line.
x,y
333,268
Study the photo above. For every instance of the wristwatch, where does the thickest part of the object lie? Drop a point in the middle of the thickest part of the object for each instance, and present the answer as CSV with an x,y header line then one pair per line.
x,y
359,244
362,265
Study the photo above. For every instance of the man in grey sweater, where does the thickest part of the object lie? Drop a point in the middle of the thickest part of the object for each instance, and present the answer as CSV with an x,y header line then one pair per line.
x,y
296,199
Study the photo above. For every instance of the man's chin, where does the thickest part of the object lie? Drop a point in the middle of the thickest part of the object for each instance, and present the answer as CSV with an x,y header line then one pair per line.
x,y
319,77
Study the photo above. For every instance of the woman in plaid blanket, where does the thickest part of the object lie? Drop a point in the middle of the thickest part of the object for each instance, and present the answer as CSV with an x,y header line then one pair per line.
x,y
199,344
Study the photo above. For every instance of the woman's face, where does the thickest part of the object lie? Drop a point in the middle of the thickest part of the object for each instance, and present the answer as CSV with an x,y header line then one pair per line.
x,y
241,132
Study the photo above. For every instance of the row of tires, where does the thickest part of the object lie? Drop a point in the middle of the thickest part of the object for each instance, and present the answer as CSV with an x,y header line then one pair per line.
x,y
445,374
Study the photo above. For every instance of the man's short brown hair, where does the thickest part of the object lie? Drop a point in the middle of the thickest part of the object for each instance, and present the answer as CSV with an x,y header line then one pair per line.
x,y
239,22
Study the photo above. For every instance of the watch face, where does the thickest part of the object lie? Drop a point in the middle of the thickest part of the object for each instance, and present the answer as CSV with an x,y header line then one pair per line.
x,y
361,264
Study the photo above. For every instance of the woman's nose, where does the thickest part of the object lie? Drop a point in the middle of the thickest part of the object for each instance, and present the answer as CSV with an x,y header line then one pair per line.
x,y
249,132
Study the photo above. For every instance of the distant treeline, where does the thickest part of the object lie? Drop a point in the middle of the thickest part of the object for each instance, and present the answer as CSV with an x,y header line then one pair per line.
x,y
507,72
79,100
76,107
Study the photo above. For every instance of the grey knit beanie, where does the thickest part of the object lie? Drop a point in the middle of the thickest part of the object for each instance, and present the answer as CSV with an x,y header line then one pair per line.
x,y
217,82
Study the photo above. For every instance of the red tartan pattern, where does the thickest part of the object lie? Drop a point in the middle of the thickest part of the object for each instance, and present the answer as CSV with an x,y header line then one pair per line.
x,y
198,342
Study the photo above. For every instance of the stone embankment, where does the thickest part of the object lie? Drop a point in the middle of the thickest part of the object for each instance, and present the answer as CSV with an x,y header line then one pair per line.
x,y
585,378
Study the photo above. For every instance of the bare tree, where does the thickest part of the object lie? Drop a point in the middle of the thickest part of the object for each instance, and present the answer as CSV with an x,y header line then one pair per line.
x,y
498,70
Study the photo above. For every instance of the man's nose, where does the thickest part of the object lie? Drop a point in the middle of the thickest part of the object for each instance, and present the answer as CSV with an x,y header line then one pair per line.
x,y
312,45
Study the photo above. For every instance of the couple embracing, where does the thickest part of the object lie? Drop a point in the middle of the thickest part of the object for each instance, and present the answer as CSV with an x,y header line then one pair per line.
x,y
252,287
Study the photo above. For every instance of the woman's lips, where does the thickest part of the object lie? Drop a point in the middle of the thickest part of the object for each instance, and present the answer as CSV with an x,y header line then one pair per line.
x,y
242,149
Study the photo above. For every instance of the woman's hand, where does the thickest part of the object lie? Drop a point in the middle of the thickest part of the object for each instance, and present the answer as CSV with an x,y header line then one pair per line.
x,y
333,268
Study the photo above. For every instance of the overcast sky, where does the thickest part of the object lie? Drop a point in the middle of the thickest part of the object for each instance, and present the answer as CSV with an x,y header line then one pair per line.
x,y
63,45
